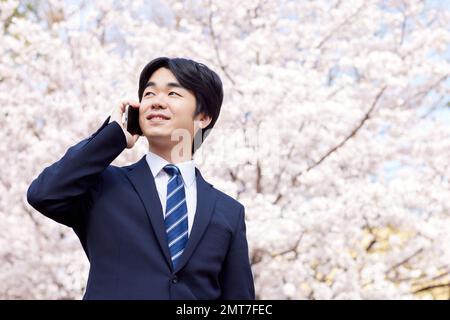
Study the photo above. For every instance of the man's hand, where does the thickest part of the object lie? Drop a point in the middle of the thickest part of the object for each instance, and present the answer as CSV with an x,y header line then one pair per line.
x,y
117,115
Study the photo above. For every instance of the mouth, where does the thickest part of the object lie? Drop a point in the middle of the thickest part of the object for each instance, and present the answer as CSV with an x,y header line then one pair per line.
x,y
157,118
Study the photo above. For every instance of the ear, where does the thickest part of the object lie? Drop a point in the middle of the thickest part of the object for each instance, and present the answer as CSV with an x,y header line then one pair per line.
x,y
202,121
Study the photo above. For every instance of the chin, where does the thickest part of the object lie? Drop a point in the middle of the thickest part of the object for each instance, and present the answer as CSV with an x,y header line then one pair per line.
x,y
153,134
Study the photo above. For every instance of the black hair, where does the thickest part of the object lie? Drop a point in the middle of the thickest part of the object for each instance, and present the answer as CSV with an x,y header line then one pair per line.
x,y
196,77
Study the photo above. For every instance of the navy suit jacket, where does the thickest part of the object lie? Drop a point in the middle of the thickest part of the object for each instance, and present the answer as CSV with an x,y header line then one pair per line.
x,y
117,215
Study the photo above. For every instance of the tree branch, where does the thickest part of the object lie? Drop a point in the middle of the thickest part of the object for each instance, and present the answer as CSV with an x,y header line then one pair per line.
x,y
217,51
258,253
442,285
343,142
407,259
277,184
332,32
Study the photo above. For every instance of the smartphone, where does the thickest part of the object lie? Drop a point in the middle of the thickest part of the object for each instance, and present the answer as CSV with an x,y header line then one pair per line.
x,y
132,120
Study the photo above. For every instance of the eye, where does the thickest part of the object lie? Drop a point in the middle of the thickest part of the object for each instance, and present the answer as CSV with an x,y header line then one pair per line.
x,y
174,92
147,93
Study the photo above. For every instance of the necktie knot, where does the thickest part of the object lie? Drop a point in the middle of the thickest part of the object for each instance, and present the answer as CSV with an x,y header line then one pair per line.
x,y
172,170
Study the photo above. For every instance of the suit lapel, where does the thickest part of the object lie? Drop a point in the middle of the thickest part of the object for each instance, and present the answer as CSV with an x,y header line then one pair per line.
x,y
144,183
205,205
142,179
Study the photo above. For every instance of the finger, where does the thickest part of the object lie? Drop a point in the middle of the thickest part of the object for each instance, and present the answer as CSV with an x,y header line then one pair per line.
x,y
122,107
124,103
135,104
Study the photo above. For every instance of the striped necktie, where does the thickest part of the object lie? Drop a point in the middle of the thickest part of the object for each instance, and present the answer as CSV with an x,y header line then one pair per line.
x,y
176,217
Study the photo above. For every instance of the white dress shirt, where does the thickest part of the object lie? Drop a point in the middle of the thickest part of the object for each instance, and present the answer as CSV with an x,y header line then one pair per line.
x,y
187,169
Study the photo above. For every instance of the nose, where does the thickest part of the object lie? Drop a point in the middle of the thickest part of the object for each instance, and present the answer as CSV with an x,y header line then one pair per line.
x,y
157,106
158,102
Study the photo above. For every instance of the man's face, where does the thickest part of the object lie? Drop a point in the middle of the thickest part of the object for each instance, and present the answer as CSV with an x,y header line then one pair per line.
x,y
164,95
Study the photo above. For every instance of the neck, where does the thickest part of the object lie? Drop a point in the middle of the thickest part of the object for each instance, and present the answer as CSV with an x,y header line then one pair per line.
x,y
171,153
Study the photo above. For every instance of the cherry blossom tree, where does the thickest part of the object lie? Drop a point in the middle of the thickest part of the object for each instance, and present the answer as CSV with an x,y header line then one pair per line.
x,y
333,133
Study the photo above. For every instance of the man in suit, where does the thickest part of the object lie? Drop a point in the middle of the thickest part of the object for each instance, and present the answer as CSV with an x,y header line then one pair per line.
x,y
154,229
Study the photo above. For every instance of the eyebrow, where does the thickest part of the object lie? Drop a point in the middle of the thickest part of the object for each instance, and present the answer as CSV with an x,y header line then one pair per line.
x,y
168,85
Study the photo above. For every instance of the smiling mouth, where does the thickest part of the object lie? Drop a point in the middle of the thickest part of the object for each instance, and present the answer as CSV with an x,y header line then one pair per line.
x,y
157,118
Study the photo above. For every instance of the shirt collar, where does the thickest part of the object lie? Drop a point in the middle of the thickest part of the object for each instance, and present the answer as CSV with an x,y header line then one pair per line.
x,y
157,163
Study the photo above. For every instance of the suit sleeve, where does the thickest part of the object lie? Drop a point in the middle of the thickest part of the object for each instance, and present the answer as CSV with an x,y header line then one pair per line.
x,y
236,277
62,190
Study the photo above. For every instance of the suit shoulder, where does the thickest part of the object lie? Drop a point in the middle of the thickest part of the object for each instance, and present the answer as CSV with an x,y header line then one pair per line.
x,y
228,201
113,172
230,210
